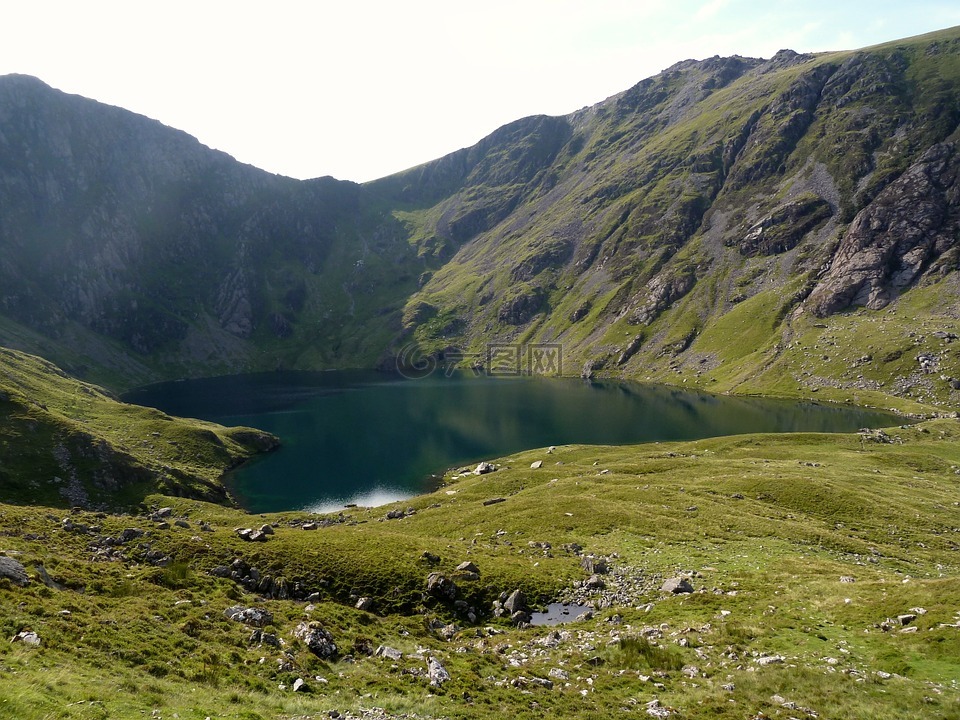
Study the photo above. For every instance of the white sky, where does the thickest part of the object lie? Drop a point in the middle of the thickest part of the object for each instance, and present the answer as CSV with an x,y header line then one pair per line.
x,y
359,89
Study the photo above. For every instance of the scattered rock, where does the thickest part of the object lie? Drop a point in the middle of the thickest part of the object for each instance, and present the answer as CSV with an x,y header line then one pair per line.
x,y
310,526
655,709
436,672
255,617
677,586
536,464
770,660
468,567
389,653
13,571
267,529
317,639
300,686
27,637
484,468
494,501
430,558
441,587
365,604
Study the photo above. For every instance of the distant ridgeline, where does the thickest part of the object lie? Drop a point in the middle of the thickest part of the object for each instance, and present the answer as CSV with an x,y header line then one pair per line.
x,y
777,225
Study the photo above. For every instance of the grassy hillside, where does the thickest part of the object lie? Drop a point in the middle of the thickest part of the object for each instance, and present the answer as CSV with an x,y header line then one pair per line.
x,y
64,442
715,225
806,549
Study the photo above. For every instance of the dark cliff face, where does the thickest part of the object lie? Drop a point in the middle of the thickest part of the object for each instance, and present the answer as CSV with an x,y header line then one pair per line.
x,y
125,231
645,219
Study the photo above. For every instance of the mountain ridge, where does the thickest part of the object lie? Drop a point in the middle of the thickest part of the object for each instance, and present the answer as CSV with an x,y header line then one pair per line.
x,y
624,232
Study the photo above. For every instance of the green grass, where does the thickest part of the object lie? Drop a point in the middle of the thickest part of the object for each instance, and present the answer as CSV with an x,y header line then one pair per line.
x,y
767,525
66,442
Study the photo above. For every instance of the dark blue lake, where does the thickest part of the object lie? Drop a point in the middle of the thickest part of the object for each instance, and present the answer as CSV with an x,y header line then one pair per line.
x,y
369,438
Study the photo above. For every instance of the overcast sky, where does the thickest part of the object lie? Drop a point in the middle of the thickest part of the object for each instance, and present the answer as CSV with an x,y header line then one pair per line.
x,y
359,89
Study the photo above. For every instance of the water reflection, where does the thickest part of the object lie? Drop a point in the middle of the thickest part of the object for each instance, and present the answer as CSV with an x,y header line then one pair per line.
x,y
368,438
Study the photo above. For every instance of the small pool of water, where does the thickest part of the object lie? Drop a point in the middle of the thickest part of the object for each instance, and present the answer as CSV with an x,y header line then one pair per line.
x,y
557,613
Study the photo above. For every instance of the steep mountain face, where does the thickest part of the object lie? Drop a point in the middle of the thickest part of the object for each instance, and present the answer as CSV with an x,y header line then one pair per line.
x,y
131,246
642,234
719,224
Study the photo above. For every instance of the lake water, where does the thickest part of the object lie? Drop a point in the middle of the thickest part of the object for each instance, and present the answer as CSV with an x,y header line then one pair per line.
x,y
370,438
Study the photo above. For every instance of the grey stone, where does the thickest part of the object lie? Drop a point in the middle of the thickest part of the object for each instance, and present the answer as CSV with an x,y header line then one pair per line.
x,y
317,639
677,586
365,604
13,571
27,637
436,672
129,534
389,653
255,617
441,587
515,601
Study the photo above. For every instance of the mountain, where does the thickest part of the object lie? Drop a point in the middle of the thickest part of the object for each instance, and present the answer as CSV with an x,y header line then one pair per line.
x,y
131,252
733,223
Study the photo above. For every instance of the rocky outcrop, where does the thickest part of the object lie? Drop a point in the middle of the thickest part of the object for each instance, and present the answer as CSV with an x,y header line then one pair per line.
x,y
891,242
664,290
783,228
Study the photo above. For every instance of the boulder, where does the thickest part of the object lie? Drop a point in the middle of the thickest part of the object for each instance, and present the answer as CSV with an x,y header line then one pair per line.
x,y
13,571
365,604
483,468
27,637
594,582
255,617
299,685
317,639
389,653
515,602
441,587
436,672
129,534
520,617
594,565
536,464
677,586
